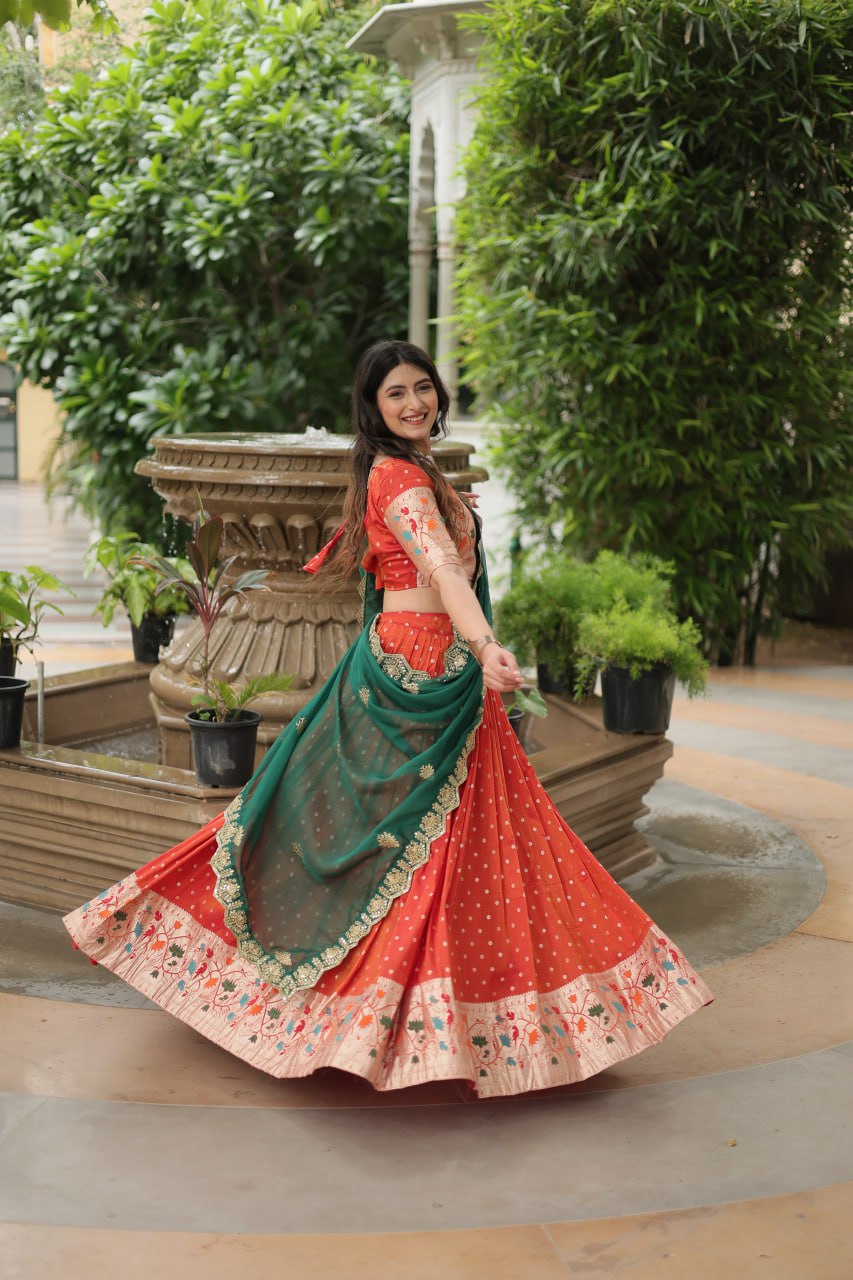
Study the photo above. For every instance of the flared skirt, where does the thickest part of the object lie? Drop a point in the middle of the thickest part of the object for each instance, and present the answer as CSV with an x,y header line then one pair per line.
x,y
513,961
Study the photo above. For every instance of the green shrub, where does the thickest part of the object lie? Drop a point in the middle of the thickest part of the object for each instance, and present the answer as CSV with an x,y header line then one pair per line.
x,y
540,614
656,285
205,238
132,585
21,96
640,638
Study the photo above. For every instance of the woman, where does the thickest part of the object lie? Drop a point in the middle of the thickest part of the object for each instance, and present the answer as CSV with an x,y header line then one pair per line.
x,y
393,893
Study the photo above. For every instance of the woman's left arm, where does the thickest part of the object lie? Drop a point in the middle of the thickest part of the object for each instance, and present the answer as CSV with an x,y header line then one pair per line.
x,y
500,669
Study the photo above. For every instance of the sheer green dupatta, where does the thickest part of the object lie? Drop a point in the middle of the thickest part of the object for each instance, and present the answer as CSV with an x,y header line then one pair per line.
x,y
346,805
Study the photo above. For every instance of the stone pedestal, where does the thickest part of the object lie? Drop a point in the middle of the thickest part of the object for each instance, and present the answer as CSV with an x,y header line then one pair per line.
x,y
281,498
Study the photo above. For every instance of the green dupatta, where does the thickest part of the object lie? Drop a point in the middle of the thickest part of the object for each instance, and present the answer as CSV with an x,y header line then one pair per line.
x,y
347,803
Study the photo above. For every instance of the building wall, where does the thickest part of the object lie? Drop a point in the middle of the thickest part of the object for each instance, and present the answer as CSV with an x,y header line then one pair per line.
x,y
38,429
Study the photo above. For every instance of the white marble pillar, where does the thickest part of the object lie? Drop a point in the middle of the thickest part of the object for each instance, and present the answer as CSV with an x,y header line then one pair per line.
x,y
445,350
426,41
420,257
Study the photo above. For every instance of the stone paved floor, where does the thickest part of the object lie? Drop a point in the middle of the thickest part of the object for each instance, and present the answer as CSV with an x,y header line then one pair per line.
x,y
130,1146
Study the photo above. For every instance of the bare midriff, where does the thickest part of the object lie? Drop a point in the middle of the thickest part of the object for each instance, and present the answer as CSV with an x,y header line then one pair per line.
x,y
413,600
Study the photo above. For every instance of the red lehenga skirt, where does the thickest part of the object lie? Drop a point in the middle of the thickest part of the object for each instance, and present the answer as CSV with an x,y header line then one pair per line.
x,y
513,961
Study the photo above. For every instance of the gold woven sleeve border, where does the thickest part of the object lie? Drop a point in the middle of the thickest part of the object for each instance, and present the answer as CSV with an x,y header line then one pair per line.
x,y
275,967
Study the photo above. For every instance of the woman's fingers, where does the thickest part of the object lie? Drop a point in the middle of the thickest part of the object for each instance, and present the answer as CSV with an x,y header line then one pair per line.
x,y
500,670
501,686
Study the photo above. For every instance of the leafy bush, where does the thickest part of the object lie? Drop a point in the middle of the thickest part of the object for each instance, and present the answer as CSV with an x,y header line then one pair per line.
x,y
656,285
132,585
540,614
204,238
639,639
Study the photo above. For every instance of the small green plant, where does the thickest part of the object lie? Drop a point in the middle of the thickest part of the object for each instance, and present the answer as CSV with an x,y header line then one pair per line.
x,y
540,614
207,593
639,639
530,701
22,605
132,584
224,700
637,579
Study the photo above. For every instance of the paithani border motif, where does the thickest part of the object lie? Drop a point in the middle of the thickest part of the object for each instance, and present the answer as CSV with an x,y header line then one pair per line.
x,y
276,966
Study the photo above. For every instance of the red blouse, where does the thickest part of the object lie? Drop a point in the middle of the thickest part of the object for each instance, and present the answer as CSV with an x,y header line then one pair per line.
x,y
407,538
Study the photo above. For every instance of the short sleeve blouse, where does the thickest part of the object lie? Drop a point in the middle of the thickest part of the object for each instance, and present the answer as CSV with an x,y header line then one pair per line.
x,y
407,538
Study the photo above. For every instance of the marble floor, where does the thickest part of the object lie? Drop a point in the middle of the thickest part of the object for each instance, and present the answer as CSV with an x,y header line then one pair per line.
x,y
131,1146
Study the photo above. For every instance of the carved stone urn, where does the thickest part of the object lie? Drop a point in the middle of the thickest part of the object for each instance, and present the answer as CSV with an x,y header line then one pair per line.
x,y
281,498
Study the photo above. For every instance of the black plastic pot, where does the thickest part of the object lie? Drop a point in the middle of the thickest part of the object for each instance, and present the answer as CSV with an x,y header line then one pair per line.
x,y
562,686
154,631
515,716
12,691
224,750
8,657
641,705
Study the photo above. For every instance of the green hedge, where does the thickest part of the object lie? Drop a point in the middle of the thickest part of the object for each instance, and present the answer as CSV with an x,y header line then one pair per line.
x,y
656,281
206,237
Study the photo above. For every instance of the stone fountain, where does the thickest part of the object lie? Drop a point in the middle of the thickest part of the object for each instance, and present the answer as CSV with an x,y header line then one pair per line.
x,y
75,818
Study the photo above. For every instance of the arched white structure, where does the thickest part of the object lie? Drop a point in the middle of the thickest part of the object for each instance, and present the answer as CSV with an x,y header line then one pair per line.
x,y
425,40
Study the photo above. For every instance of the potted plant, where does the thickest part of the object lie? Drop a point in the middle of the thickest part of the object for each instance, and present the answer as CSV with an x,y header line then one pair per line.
x,y
641,653
540,614
133,585
22,605
525,702
223,730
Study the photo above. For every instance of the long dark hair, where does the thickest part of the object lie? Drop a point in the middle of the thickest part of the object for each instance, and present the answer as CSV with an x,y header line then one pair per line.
x,y
372,437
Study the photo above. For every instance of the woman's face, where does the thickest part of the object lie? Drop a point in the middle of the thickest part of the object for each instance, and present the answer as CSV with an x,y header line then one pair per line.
x,y
408,402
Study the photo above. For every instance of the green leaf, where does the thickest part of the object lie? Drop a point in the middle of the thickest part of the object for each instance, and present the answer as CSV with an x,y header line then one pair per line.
x,y
531,702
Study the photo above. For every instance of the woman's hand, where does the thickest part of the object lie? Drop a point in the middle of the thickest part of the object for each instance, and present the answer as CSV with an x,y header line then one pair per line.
x,y
500,669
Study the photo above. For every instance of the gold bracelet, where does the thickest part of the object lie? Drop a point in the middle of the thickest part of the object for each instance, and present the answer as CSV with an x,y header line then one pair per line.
x,y
476,646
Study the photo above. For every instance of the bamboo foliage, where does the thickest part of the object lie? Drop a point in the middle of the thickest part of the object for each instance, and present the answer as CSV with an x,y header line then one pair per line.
x,y
656,283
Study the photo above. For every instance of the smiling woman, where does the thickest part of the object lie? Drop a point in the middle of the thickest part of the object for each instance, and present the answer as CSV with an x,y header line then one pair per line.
x,y
393,893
